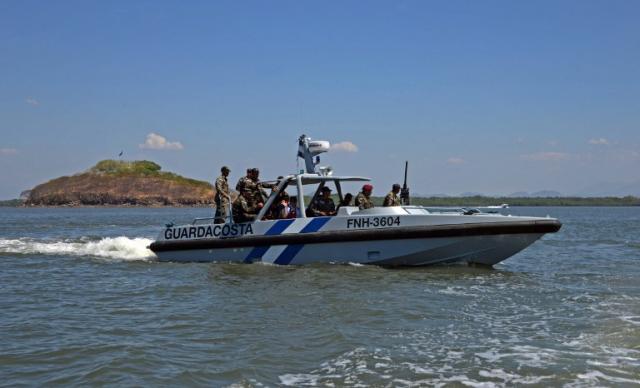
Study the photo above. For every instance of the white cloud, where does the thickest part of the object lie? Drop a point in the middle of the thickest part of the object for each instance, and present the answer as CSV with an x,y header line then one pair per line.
x,y
545,156
158,142
600,141
32,101
344,146
8,151
455,160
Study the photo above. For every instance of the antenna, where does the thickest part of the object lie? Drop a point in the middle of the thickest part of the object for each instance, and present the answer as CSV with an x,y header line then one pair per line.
x,y
404,193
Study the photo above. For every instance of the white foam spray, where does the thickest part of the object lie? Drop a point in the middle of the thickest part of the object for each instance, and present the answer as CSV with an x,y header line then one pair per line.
x,y
120,248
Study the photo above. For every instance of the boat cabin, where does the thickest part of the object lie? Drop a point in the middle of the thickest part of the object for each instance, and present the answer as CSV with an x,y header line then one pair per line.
x,y
298,182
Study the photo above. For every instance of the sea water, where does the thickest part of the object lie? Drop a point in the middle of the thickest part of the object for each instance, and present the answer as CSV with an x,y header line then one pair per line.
x,y
83,301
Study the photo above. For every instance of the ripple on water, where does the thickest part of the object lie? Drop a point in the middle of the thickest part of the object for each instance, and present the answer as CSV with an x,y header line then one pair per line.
x,y
82,305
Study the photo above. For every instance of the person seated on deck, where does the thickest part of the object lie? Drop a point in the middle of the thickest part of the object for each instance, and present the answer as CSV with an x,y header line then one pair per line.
x,y
279,209
392,199
292,208
363,199
323,205
243,209
346,201
282,206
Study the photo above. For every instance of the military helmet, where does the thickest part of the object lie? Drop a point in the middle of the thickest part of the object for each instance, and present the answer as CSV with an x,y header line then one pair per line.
x,y
225,168
325,188
396,186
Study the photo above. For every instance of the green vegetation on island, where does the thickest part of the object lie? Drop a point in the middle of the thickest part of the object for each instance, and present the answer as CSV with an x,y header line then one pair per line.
x,y
11,202
143,168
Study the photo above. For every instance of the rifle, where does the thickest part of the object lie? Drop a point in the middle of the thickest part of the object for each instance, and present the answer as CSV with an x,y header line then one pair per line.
x,y
404,193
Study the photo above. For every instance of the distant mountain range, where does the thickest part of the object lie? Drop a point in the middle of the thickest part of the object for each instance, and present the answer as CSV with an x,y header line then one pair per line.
x,y
537,194
613,189
519,194
602,189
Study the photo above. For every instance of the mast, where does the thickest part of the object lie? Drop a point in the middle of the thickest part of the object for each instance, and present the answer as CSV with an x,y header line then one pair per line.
x,y
308,149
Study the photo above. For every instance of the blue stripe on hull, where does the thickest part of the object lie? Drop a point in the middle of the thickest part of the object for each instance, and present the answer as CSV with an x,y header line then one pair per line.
x,y
288,254
277,228
291,251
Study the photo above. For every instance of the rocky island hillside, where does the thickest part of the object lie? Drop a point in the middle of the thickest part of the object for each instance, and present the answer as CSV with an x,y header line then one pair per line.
x,y
122,183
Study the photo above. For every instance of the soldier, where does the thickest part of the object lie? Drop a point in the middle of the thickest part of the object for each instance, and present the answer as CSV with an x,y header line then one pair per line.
x,y
243,211
392,198
323,205
259,193
242,182
222,197
363,199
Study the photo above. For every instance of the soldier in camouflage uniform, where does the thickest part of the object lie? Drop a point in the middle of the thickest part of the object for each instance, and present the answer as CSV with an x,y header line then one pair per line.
x,y
243,211
242,182
323,205
363,199
259,194
252,184
392,198
222,197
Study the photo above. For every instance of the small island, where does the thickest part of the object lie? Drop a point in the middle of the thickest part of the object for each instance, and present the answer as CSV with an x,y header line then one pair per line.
x,y
122,183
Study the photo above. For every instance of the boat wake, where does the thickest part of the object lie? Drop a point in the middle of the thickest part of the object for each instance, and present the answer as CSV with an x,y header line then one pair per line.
x,y
120,248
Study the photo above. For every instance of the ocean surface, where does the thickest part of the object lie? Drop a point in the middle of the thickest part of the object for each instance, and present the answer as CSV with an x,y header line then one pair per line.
x,y
83,302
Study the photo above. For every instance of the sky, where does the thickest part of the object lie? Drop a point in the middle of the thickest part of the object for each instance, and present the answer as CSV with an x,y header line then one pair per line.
x,y
479,96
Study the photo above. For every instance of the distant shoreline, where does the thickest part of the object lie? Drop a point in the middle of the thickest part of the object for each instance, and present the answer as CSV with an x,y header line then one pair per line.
x,y
526,201
475,201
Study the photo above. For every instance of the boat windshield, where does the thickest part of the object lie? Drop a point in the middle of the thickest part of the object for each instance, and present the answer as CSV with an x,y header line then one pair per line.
x,y
299,182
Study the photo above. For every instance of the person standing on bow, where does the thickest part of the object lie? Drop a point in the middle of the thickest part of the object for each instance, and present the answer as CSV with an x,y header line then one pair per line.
x,y
249,183
222,197
363,199
259,194
392,198
242,182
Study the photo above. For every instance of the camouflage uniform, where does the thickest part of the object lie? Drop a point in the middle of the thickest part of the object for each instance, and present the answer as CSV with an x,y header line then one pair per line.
x,y
222,199
242,183
259,193
243,211
322,205
363,202
391,199
247,184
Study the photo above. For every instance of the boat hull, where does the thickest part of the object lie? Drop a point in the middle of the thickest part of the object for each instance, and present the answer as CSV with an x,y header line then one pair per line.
x,y
483,243
486,250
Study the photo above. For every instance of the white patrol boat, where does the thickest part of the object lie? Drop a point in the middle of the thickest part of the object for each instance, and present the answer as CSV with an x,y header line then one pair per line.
x,y
389,236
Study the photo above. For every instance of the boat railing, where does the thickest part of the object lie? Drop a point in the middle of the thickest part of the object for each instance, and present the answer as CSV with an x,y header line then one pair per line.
x,y
202,219
412,209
